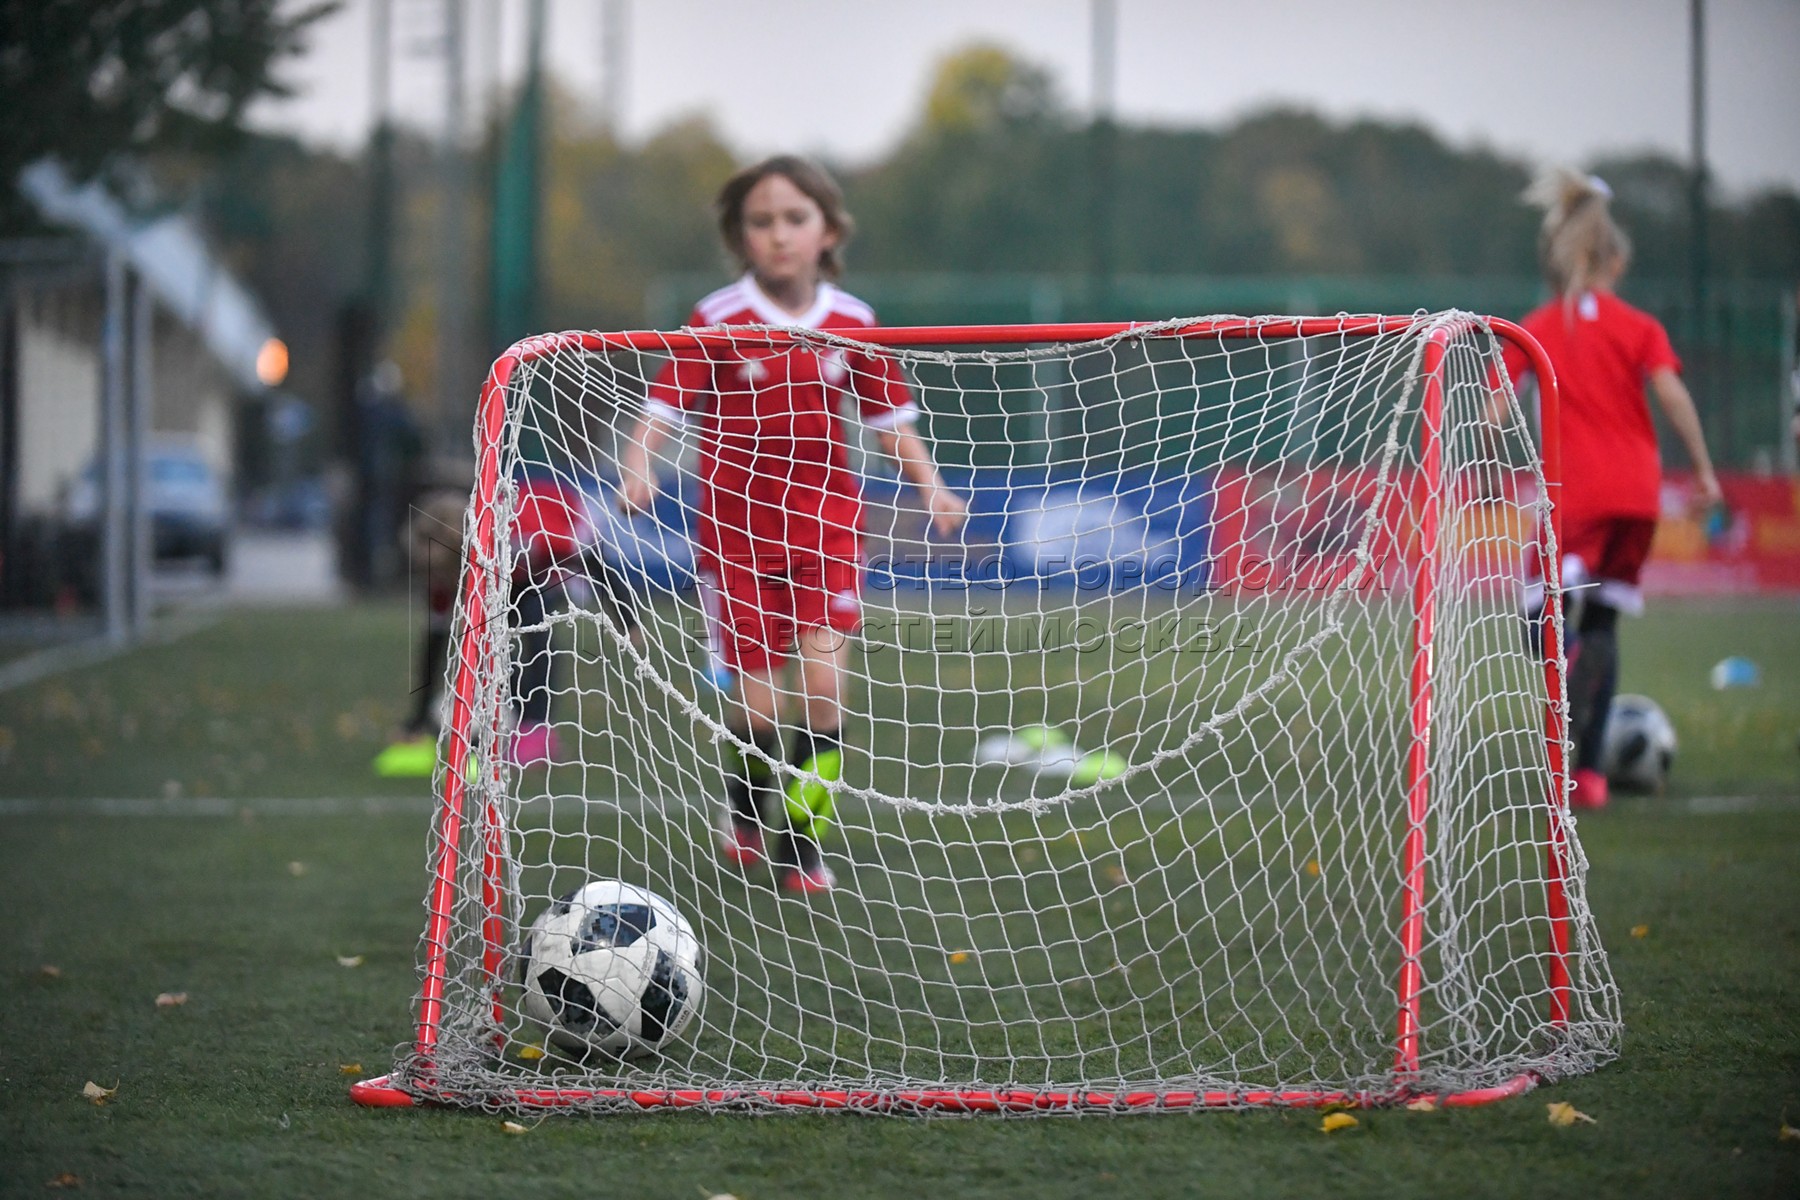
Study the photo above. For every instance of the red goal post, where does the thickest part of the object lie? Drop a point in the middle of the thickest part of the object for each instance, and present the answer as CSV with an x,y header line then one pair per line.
x,y
452,816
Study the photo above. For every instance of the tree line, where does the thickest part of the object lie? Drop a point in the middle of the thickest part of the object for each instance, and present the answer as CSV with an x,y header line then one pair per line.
x,y
996,173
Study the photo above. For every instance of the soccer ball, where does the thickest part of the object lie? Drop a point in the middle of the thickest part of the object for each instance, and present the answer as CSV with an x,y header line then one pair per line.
x,y
1638,746
611,968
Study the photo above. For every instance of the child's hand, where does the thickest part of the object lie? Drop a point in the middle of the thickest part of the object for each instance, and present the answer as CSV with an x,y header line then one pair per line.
x,y
948,510
1710,494
635,493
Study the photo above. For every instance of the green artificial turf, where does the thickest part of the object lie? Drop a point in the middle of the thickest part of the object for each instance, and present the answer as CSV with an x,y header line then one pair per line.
x,y
247,909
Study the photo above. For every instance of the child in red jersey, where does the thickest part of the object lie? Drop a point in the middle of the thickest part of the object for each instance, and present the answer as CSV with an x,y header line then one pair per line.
x,y
780,513
1605,353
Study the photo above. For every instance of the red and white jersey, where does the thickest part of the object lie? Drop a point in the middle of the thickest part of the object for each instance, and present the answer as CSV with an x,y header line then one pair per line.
x,y
550,528
775,478
1604,352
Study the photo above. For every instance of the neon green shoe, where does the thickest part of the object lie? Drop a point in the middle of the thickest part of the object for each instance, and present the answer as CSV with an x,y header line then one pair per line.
x,y
414,759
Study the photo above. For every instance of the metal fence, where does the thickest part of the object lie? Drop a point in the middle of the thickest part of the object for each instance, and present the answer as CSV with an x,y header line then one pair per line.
x,y
1738,352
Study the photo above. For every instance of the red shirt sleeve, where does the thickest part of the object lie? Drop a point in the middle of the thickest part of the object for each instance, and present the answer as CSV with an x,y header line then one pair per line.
x,y
685,381
884,400
1657,354
1518,365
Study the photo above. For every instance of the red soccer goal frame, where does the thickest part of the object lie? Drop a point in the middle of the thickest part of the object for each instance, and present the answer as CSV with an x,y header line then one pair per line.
x,y
380,1092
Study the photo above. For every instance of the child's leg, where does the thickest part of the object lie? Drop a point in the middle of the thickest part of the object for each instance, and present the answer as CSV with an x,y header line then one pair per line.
x,y
1593,678
752,722
432,653
1594,674
817,754
748,628
531,674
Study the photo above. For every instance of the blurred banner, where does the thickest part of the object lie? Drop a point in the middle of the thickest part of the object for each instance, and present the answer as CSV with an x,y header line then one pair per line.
x,y
1754,546
1036,530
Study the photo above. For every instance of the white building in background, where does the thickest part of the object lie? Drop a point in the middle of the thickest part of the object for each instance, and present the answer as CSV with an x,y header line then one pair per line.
x,y
207,335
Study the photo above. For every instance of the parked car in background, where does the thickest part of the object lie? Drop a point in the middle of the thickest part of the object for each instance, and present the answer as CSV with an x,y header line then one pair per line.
x,y
185,495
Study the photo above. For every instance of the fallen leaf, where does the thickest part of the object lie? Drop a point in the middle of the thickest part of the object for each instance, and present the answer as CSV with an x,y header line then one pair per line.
x,y
1563,1114
296,869
171,999
1312,867
67,1179
349,1068
1787,1133
350,960
50,972
531,1053
1336,1121
961,956
513,1127
99,1095
1422,1104
1639,931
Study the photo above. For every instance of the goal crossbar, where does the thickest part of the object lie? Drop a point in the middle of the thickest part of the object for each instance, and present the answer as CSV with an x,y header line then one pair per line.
x,y
451,814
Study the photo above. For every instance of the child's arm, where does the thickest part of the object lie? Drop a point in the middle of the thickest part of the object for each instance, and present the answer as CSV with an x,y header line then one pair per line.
x,y
1678,406
948,510
637,483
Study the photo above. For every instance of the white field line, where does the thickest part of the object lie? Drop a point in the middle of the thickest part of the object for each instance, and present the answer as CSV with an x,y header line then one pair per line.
x,y
419,805
294,806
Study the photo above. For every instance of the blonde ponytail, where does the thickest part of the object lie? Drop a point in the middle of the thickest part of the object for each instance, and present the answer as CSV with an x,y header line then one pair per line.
x,y
1579,239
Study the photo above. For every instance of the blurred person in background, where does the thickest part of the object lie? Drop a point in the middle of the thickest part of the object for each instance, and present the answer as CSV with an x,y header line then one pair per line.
x,y
1605,352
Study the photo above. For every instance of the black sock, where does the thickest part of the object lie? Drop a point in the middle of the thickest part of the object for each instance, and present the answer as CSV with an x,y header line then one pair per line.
x,y
808,743
435,649
747,777
1593,678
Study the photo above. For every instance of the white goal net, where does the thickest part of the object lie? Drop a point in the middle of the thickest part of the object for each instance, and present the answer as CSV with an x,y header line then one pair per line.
x,y
1210,763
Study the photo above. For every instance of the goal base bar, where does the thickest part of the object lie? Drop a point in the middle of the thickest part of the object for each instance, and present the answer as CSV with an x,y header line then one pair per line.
x,y
380,1093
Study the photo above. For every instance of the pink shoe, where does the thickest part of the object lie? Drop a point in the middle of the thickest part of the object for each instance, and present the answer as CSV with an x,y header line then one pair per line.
x,y
742,845
1590,789
533,745
801,883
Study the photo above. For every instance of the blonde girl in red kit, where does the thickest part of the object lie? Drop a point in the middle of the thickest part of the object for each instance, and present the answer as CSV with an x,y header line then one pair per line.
x,y
1606,354
779,528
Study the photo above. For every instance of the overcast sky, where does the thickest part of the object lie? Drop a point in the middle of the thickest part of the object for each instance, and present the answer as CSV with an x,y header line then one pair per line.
x,y
1547,80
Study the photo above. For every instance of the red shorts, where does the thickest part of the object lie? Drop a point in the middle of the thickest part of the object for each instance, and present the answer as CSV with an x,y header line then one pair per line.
x,y
1604,557
753,617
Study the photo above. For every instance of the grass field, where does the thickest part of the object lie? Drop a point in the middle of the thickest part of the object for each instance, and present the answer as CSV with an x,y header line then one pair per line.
x,y
198,818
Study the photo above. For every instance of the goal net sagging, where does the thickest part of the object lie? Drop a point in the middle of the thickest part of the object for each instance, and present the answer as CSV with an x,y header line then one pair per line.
x,y
1211,764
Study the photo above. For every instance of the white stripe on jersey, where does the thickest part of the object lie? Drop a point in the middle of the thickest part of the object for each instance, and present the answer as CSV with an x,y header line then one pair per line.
x,y
893,418
744,296
846,304
723,303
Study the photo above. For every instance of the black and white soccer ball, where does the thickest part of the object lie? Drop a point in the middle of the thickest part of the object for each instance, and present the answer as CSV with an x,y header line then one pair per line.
x,y
611,968
1638,746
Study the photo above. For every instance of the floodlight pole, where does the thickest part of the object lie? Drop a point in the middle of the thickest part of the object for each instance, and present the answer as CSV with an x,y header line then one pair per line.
x,y
1103,150
379,232
614,43
1697,189
140,393
453,283
114,475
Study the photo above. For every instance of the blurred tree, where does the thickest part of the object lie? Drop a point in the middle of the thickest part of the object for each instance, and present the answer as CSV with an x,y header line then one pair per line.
x,y
983,180
989,178
617,218
90,80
